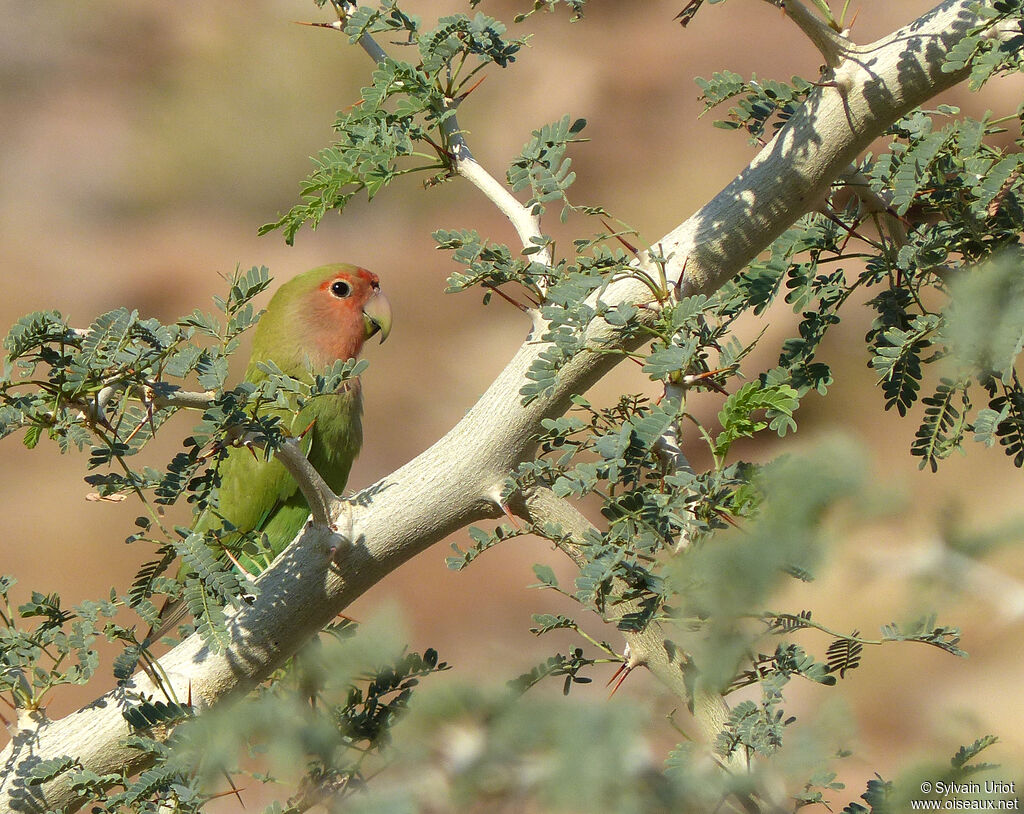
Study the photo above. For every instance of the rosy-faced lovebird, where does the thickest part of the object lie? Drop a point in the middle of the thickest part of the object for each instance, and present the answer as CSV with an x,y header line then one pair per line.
x,y
312,321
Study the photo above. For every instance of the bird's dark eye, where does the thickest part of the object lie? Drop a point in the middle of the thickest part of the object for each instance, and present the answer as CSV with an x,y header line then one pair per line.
x,y
341,289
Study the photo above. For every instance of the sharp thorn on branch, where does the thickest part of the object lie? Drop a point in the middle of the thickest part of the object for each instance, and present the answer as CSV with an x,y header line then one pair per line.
x,y
234,790
511,517
622,668
851,231
442,153
462,96
506,297
682,276
849,234
495,498
336,25
141,424
707,379
237,564
621,239
727,518
623,671
688,12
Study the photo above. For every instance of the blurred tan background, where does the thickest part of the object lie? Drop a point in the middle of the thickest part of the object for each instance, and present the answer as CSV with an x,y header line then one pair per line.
x,y
141,145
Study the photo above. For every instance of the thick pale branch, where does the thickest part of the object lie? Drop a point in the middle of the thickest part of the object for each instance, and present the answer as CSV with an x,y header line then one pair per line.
x,y
374,51
449,485
366,42
872,87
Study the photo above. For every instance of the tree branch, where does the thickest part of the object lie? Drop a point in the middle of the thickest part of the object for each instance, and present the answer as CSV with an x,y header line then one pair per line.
x,y
526,224
366,42
834,47
668,448
314,488
319,496
651,647
164,395
320,573
873,86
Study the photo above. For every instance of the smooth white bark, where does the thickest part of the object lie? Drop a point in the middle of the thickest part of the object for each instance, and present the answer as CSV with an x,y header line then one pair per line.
x,y
873,86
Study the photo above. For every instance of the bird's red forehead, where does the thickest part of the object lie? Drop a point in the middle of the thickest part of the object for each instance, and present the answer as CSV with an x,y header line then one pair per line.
x,y
356,274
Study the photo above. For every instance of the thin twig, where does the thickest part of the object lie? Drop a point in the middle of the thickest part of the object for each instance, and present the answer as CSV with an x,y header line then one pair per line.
x,y
523,220
168,396
314,488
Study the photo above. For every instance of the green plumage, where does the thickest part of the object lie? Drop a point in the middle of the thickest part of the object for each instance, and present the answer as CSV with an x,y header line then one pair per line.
x,y
258,495
312,321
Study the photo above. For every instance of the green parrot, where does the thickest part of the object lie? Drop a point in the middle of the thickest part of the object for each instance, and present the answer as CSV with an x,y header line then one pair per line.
x,y
313,320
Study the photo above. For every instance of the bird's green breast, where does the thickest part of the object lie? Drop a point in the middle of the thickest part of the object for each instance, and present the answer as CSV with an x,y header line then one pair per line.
x,y
260,496
337,433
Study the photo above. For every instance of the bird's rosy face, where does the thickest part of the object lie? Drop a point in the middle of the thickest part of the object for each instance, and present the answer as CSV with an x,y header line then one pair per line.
x,y
354,308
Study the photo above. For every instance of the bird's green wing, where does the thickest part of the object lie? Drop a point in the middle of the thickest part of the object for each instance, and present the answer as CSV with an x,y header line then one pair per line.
x,y
258,495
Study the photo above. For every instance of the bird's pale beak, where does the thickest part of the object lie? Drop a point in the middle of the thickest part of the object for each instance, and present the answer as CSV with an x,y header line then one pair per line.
x,y
377,316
